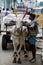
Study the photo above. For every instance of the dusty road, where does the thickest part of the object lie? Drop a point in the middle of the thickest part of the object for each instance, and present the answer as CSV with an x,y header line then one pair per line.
x,y
6,58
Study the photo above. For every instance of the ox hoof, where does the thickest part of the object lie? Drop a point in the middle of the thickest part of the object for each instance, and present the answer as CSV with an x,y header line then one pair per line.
x,y
19,61
14,61
26,56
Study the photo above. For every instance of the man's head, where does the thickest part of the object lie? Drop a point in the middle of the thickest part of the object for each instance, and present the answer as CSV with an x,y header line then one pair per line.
x,y
32,16
3,8
7,9
6,13
0,11
12,8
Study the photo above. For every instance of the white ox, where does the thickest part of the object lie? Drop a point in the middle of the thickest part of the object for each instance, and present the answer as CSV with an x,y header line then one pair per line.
x,y
18,35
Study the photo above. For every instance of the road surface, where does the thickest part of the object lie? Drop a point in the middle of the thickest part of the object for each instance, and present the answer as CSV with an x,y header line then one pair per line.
x,y
6,57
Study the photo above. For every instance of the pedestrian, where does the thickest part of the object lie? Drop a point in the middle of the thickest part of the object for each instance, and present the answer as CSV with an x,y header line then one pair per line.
x,y
31,39
1,17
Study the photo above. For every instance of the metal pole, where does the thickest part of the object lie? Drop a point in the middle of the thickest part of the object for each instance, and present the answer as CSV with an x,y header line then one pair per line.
x,y
14,3
6,4
10,4
36,3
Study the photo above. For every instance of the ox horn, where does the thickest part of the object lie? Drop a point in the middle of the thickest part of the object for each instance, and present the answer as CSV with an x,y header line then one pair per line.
x,y
15,12
26,11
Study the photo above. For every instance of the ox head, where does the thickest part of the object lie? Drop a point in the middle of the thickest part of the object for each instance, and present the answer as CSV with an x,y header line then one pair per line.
x,y
19,25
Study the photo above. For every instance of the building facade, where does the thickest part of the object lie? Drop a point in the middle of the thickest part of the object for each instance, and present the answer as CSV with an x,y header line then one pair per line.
x,y
11,3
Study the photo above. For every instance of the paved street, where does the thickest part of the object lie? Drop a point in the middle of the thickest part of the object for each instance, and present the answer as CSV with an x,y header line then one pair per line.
x,y
6,58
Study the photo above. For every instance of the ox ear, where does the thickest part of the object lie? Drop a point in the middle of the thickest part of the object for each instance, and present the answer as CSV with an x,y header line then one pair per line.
x,y
15,12
26,11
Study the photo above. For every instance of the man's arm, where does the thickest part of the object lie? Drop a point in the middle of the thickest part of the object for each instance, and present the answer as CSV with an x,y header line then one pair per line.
x,y
33,26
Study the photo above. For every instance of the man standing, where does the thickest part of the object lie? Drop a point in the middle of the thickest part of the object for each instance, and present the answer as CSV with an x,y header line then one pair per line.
x,y
0,20
33,30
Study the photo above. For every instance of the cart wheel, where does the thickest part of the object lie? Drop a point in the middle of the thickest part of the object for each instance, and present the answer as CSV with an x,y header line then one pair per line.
x,y
4,43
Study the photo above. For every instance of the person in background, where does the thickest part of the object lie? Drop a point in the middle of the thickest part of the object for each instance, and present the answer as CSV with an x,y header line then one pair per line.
x,y
3,9
1,18
31,38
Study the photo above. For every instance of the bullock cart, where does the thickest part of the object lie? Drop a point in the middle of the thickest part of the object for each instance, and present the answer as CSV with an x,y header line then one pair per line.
x,y
6,38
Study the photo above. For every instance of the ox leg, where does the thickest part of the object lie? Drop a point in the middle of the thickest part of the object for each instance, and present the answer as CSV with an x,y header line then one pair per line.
x,y
14,56
25,51
18,58
14,60
19,52
15,53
